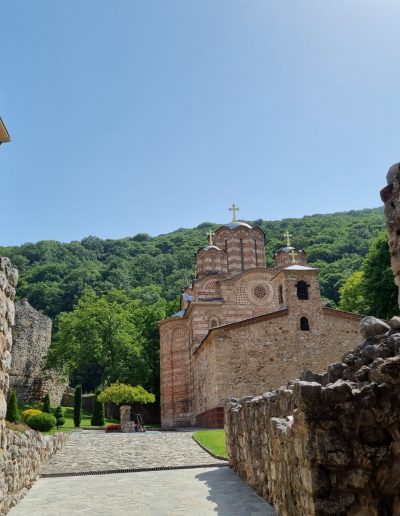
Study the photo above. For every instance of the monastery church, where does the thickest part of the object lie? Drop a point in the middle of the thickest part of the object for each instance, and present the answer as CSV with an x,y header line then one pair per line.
x,y
244,328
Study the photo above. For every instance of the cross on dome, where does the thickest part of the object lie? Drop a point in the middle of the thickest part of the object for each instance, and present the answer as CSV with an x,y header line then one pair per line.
x,y
210,236
287,235
234,209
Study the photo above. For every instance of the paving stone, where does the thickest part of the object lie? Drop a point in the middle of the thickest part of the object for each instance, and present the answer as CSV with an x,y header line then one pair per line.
x,y
93,450
197,492
194,492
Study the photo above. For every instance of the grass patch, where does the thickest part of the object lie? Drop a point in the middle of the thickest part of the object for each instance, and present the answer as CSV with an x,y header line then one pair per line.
x,y
69,420
152,426
85,420
17,427
213,440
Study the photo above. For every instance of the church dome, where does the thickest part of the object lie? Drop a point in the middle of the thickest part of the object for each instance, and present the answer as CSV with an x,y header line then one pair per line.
x,y
236,224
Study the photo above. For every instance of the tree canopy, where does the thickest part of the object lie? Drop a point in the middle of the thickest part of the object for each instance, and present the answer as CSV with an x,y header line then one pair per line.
x,y
109,338
372,291
120,393
55,275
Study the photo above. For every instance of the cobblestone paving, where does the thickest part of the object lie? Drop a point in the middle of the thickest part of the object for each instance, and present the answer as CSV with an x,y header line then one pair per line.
x,y
91,450
194,492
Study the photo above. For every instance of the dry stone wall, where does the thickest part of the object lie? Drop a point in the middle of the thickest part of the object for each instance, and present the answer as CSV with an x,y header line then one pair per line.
x,y
8,282
31,341
21,462
21,453
328,443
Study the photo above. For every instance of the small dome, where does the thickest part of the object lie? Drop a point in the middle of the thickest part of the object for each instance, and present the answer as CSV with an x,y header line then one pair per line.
x,y
235,224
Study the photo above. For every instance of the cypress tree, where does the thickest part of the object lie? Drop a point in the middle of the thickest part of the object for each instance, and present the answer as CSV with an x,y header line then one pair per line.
x,y
59,417
12,414
77,406
46,404
98,412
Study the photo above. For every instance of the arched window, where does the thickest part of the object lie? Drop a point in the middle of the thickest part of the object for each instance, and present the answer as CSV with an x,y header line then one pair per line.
x,y
280,294
214,322
302,290
241,254
304,326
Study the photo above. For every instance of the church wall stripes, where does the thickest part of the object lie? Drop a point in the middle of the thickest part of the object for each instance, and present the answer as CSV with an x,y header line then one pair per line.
x,y
244,359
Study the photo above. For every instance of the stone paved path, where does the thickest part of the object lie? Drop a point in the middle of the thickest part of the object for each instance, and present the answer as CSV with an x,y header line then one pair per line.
x,y
92,450
194,492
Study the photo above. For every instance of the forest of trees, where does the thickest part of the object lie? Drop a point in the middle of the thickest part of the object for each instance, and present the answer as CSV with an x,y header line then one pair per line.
x,y
145,275
54,275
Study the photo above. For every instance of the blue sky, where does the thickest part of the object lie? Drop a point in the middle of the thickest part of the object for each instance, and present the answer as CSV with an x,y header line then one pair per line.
x,y
130,116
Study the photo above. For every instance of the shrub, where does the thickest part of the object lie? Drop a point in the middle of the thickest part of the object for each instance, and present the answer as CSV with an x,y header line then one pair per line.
x,y
60,421
43,422
77,406
30,412
120,393
113,428
98,412
46,404
12,414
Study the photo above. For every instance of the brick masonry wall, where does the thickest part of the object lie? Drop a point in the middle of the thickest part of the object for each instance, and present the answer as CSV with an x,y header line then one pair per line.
x,y
180,337
213,418
329,445
249,358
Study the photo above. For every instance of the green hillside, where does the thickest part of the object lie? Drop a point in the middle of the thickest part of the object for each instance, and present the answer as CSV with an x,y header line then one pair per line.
x,y
53,275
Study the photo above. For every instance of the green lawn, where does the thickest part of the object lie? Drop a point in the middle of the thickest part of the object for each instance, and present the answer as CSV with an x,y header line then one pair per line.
x,y
85,421
213,440
69,420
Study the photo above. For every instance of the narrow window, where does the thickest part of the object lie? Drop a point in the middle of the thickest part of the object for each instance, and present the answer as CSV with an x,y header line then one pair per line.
x,y
255,251
226,251
302,290
304,326
241,253
280,294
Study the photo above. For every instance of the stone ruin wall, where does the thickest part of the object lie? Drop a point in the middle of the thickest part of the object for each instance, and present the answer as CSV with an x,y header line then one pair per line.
x,y
390,195
23,456
329,443
31,341
21,453
8,282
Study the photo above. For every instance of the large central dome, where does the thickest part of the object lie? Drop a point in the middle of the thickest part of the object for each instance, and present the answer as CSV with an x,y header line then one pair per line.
x,y
236,223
